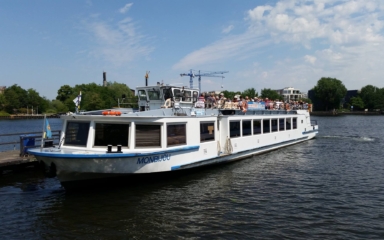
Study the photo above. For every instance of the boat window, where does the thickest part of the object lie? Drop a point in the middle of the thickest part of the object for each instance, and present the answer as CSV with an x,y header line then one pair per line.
x,y
76,133
256,126
167,93
148,135
288,123
177,94
195,96
274,125
187,96
247,128
142,95
207,131
176,134
234,129
266,126
111,134
154,95
294,123
281,124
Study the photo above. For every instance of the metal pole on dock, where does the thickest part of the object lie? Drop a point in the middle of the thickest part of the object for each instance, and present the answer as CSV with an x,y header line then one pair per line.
x,y
42,136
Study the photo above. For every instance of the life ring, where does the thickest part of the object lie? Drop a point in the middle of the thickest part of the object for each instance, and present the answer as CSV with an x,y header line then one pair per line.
x,y
112,113
167,103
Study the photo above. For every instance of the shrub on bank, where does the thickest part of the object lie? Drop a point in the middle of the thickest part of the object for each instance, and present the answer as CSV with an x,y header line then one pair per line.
x,y
4,114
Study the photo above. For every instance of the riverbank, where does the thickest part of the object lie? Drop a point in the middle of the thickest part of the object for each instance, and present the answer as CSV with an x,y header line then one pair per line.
x,y
331,113
29,116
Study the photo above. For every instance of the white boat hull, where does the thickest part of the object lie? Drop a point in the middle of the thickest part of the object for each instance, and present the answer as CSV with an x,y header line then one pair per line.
x,y
87,168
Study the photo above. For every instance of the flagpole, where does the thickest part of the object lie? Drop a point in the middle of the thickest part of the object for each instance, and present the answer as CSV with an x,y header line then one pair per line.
x,y
42,136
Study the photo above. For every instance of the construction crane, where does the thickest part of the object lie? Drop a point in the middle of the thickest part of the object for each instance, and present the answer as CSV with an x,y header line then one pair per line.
x,y
207,74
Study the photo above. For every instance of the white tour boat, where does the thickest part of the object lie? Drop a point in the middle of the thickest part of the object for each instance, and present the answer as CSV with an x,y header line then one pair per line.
x,y
168,135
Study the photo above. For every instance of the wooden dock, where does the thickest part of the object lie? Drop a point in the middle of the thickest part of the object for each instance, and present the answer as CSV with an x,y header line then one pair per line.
x,y
11,160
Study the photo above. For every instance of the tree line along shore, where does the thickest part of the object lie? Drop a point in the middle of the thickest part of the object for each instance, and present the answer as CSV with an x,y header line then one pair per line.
x,y
329,94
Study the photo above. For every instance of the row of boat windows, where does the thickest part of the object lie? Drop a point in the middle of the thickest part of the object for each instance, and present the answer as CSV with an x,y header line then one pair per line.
x,y
76,134
264,126
185,96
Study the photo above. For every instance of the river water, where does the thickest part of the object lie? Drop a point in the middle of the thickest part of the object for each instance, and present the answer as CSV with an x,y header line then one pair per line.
x,y
331,187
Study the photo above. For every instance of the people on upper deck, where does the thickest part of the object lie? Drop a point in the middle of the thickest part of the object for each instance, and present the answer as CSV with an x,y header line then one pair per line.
x,y
201,98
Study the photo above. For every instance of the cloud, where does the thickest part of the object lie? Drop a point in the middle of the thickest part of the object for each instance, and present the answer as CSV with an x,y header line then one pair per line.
x,y
310,59
335,37
228,29
125,8
227,48
117,42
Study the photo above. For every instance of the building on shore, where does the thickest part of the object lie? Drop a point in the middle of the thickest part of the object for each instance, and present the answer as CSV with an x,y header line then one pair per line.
x,y
2,89
290,94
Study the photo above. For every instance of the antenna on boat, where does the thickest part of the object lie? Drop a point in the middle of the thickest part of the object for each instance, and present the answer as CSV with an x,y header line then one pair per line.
x,y
146,77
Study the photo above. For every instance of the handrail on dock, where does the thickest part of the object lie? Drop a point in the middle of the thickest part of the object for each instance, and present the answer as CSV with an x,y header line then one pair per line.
x,y
29,139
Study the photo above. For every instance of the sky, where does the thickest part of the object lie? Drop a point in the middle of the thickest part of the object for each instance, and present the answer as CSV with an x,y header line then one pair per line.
x,y
46,44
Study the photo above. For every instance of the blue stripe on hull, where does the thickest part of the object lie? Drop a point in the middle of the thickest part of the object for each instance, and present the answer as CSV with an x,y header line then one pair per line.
x,y
110,155
242,154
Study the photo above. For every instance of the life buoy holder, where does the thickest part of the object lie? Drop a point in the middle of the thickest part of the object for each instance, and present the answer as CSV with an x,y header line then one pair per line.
x,y
111,113
167,103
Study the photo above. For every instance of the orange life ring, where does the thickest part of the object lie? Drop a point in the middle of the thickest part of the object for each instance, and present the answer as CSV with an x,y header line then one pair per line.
x,y
112,113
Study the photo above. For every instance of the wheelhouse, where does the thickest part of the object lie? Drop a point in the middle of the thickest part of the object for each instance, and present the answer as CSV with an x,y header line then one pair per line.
x,y
155,97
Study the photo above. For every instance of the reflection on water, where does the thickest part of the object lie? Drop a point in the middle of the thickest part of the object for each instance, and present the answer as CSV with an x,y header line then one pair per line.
x,y
328,188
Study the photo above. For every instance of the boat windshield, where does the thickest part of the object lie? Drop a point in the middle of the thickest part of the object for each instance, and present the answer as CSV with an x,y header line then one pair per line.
x,y
142,95
154,95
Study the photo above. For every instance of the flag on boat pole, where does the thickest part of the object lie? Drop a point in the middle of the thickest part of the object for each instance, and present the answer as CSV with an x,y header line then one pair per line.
x,y
43,133
77,101
48,132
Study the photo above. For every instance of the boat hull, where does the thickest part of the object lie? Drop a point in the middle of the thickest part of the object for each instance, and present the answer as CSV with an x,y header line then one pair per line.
x,y
81,168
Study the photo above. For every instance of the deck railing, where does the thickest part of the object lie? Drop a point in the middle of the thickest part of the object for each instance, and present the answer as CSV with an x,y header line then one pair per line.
x,y
27,140
313,122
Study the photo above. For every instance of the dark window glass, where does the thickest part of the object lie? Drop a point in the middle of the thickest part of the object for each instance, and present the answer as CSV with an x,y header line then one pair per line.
x,y
154,95
148,135
76,133
207,132
281,124
274,125
247,128
266,127
142,95
187,96
177,94
256,126
288,124
111,134
294,123
167,93
234,128
176,135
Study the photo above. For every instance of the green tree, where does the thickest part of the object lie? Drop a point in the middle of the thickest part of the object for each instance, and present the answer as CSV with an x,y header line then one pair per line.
x,y
230,95
356,102
373,97
2,102
93,96
307,100
15,98
94,101
330,91
368,95
64,93
59,107
271,94
250,92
